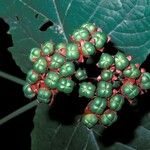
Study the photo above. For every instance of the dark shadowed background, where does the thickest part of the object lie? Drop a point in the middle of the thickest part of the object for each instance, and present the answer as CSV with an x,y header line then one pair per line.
x,y
15,134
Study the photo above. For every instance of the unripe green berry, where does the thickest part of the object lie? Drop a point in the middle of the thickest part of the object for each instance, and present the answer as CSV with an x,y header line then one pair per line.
x,y
98,105
145,81
121,62
106,75
132,71
34,54
90,27
104,89
87,89
81,74
116,102
89,120
67,69
105,61
32,77
60,46
51,80
65,85
44,95
100,38
48,48
72,52
108,118
28,92
130,90
57,61
40,65
88,49
81,34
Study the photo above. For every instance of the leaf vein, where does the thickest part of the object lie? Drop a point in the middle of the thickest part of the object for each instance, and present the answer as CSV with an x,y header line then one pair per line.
x,y
75,129
126,146
55,133
93,137
66,11
123,19
34,10
94,12
59,20
134,33
28,34
86,144
147,42
68,7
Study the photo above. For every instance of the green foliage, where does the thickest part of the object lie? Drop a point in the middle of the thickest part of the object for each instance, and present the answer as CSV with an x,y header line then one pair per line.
x,y
126,21
50,134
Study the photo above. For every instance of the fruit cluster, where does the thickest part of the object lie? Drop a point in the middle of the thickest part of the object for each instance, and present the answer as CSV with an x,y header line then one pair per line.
x,y
54,67
120,79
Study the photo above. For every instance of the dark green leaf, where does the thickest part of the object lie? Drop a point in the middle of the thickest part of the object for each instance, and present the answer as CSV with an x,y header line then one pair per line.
x,y
126,21
140,142
49,134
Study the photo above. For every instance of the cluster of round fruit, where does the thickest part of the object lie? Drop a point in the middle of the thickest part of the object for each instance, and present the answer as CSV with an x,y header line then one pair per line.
x,y
54,67
120,79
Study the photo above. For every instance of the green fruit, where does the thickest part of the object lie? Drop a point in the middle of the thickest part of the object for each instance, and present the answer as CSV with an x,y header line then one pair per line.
x,y
100,38
87,90
48,48
28,91
98,105
60,46
57,61
51,80
104,89
130,90
81,74
89,120
65,85
32,77
145,81
116,102
90,27
132,71
40,65
67,69
44,95
35,54
81,34
88,49
106,75
121,62
108,118
72,52
105,61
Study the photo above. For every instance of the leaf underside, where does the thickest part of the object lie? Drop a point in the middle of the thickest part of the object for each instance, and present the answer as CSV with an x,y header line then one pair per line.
x,y
33,22
55,135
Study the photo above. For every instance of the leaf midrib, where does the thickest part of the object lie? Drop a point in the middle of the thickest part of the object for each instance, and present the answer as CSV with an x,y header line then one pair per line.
x,y
47,18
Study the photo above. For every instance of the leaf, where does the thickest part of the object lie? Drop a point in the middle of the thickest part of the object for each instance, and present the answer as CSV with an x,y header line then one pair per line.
x,y
49,134
126,21
141,141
